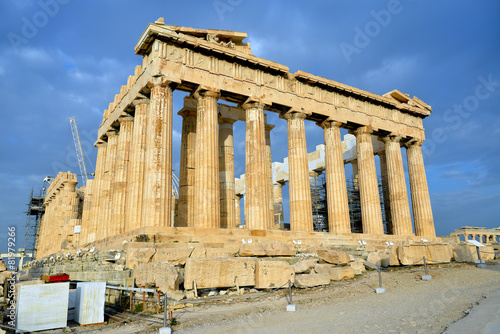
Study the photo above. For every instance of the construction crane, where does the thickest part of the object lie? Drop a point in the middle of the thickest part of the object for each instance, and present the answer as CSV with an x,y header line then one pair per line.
x,y
79,151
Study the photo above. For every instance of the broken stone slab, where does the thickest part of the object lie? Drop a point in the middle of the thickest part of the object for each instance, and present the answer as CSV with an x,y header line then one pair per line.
x,y
174,256
177,295
412,254
358,266
334,272
439,253
311,280
467,253
137,256
304,266
333,256
279,250
393,258
219,272
252,250
272,274
162,275
380,259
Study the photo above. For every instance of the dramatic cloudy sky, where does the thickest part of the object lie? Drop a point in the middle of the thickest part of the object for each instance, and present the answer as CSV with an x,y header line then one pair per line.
x,y
63,58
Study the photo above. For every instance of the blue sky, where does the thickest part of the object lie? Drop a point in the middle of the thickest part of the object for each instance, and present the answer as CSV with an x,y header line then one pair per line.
x,y
63,58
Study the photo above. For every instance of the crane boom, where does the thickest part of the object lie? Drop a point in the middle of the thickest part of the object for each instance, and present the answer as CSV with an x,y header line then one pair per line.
x,y
78,148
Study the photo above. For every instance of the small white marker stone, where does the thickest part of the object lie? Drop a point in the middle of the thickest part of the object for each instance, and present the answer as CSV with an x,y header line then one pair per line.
x,y
291,308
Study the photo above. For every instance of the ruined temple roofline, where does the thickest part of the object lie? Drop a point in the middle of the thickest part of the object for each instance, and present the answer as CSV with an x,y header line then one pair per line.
x,y
183,36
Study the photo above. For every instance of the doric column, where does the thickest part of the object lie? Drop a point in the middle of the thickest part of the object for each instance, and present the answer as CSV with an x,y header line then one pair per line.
x,y
336,190
120,182
256,169
96,204
268,127
87,206
399,207
135,177
71,209
237,210
420,200
185,215
157,195
371,213
385,190
226,168
58,229
105,225
278,204
207,187
298,167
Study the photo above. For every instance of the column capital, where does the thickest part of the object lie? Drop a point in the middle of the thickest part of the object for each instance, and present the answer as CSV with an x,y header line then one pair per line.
x,y
184,112
111,133
329,123
253,104
100,144
362,130
414,142
390,138
140,100
226,120
160,80
206,93
125,118
269,127
293,115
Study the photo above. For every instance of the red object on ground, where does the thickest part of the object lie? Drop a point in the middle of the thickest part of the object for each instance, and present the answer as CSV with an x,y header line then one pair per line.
x,y
55,278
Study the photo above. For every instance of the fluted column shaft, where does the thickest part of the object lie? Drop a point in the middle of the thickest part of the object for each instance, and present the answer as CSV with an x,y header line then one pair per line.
x,y
119,184
421,202
256,168
207,187
71,209
157,195
398,197
95,206
338,206
298,167
371,212
237,210
185,208
226,167
87,206
268,127
106,194
135,178
278,204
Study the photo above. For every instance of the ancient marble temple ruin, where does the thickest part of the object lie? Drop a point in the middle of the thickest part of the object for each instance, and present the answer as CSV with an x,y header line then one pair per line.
x,y
132,189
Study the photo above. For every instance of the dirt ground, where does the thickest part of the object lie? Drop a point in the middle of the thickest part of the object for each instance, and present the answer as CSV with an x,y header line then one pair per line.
x,y
409,305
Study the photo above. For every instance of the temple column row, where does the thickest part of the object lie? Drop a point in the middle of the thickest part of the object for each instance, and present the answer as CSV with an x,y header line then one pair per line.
x,y
132,185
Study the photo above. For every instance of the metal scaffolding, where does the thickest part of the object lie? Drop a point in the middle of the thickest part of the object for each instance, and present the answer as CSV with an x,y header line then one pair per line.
x,y
34,214
320,210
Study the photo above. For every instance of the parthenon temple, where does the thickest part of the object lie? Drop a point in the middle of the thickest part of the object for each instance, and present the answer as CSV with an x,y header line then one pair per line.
x,y
132,192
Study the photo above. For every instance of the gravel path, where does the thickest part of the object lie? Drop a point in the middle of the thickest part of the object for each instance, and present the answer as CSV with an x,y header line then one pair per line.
x,y
410,305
